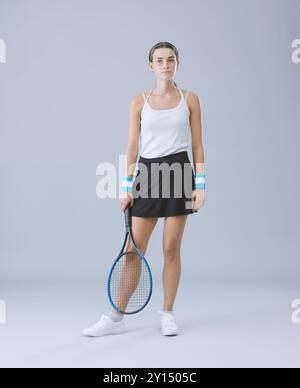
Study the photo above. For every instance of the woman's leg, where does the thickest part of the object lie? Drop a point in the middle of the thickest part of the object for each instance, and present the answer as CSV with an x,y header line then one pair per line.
x,y
172,236
141,228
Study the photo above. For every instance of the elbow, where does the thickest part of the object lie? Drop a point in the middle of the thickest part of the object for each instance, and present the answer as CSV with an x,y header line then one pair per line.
x,y
197,147
132,150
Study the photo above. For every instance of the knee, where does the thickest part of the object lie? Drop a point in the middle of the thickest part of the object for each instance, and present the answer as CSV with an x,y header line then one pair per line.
x,y
171,250
141,247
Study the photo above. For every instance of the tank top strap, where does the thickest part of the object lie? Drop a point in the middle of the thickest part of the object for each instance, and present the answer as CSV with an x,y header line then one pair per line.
x,y
186,94
145,99
182,96
148,94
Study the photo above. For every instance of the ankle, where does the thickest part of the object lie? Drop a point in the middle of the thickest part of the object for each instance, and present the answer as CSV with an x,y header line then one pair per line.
x,y
116,317
167,311
170,310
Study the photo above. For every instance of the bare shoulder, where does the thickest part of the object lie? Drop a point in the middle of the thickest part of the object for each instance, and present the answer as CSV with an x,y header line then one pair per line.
x,y
137,102
192,96
193,100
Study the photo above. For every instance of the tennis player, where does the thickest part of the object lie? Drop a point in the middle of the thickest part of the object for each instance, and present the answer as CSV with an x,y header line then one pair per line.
x,y
161,123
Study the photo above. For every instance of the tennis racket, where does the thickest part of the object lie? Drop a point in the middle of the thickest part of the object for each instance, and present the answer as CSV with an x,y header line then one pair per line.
x,y
130,280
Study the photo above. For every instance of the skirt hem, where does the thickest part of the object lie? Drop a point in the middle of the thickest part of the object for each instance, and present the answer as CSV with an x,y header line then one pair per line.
x,y
162,215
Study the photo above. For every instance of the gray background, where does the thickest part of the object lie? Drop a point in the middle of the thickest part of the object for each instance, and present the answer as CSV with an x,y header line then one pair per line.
x,y
72,68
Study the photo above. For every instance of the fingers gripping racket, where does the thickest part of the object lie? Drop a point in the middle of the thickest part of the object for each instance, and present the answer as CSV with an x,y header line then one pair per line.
x,y
130,279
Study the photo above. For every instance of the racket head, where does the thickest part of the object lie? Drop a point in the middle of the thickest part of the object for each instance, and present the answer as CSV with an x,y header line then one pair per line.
x,y
129,283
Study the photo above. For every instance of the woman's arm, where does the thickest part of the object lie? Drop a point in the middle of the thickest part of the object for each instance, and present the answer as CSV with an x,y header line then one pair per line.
x,y
134,119
196,132
198,196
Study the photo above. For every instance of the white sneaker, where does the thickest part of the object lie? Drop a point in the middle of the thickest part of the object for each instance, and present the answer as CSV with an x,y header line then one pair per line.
x,y
168,324
103,327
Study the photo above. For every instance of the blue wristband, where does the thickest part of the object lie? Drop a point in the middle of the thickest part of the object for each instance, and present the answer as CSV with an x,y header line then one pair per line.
x,y
199,181
127,184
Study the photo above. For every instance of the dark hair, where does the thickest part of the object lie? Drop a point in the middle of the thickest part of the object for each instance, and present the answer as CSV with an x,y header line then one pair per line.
x,y
163,45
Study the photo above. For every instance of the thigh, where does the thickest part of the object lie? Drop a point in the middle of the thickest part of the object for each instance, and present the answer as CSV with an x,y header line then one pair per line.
x,y
173,231
142,228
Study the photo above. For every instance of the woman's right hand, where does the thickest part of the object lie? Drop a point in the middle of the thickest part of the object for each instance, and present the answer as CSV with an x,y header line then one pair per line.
x,y
126,199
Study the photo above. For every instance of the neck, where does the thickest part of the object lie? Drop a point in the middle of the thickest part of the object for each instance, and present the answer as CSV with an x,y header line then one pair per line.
x,y
164,87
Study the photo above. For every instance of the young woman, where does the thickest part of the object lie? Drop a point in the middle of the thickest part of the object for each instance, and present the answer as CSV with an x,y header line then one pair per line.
x,y
162,119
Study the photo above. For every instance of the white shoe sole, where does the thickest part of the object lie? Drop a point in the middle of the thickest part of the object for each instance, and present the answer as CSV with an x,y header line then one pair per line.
x,y
170,334
102,334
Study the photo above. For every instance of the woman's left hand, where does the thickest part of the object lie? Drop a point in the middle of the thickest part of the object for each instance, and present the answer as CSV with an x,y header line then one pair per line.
x,y
198,199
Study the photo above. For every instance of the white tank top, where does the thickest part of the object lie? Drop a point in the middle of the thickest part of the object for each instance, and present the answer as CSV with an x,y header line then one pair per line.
x,y
166,131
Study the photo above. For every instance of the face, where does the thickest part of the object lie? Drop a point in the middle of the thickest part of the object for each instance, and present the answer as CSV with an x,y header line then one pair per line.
x,y
164,63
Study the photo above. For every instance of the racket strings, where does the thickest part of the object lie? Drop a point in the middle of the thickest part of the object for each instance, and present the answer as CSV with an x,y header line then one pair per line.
x,y
130,283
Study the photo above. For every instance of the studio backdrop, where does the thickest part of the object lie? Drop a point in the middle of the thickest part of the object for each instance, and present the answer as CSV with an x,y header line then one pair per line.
x,y
67,74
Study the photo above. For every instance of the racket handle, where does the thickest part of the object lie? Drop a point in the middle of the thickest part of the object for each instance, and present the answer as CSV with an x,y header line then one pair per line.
x,y
128,217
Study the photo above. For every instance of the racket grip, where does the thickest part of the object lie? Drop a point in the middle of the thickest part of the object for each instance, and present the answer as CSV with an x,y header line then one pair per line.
x,y
128,217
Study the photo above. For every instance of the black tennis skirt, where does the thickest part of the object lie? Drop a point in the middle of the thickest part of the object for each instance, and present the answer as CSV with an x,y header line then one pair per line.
x,y
163,186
